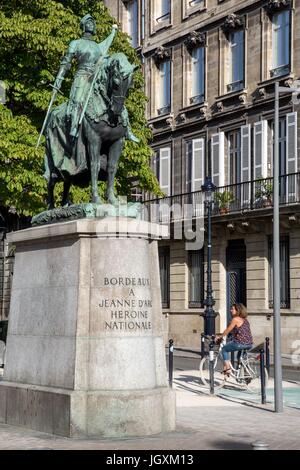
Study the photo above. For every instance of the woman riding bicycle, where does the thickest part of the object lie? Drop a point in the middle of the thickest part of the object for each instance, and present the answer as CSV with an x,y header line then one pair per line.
x,y
242,337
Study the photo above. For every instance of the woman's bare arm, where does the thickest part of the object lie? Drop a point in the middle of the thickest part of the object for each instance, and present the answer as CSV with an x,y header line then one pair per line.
x,y
230,327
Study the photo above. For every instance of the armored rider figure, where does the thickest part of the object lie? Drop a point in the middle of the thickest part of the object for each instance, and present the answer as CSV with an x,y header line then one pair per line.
x,y
87,52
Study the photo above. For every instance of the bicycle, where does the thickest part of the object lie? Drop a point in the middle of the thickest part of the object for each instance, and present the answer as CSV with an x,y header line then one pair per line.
x,y
246,374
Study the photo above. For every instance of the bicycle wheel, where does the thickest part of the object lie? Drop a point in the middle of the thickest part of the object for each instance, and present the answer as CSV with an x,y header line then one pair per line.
x,y
218,376
251,372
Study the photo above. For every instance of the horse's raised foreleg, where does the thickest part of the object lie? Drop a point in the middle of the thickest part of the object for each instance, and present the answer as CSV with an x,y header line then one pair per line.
x,y
50,197
112,165
65,198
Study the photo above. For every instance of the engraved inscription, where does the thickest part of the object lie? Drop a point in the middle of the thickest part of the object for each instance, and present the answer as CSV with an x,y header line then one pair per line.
x,y
131,313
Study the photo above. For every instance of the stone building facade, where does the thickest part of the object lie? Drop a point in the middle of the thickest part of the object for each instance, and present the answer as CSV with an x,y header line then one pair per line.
x,y
210,68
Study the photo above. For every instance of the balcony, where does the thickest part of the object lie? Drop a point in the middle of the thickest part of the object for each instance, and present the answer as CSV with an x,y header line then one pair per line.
x,y
232,199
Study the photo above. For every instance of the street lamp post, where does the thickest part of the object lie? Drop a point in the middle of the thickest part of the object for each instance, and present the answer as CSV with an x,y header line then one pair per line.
x,y
209,314
278,394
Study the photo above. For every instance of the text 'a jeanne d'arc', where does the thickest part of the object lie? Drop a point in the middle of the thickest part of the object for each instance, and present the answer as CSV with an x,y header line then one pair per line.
x,y
129,303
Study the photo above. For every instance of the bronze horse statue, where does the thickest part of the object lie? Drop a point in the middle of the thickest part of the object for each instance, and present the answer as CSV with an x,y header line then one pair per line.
x,y
95,153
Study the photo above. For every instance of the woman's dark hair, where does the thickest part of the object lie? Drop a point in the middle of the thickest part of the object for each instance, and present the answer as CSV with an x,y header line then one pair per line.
x,y
241,310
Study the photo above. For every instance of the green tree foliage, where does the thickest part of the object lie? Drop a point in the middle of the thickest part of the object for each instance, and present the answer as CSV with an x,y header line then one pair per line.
x,y
34,35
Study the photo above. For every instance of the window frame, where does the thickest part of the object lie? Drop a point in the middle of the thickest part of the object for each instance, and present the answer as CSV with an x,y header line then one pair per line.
x,y
153,10
234,154
164,252
277,70
199,302
231,84
284,240
162,108
198,98
188,9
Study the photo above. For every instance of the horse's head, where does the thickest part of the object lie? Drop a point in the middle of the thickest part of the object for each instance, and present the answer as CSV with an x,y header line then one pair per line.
x,y
120,80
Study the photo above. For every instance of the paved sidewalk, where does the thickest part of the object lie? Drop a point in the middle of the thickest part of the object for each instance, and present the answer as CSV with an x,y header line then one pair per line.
x,y
203,422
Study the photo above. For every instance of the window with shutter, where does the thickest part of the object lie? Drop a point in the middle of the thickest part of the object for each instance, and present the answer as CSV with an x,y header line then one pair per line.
x,y
217,159
291,155
165,182
197,164
189,159
198,169
165,170
246,164
260,150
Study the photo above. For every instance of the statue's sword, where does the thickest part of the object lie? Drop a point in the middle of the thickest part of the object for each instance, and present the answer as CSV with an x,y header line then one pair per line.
x,y
97,67
55,91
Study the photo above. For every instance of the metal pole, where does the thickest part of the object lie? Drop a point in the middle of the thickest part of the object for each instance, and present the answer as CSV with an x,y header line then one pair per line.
x,y
262,377
276,265
202,345
209,319
268,355
232,359
211,366
171,349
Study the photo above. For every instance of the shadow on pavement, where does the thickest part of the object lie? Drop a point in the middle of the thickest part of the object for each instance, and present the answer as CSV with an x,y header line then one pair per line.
x,y
231,445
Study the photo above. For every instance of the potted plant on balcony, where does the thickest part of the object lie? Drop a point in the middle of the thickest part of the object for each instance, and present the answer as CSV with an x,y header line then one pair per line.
x,y
224,199
264,193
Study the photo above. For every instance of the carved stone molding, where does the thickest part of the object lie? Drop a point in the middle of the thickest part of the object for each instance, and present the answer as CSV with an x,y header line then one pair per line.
x,y
289,82
161,54
195,39
243,98
170,121
233,22
219,106
262,93
203,112
276,5
181,118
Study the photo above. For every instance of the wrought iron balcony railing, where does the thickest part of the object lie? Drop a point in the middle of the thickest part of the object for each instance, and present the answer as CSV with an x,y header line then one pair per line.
x,y
234,198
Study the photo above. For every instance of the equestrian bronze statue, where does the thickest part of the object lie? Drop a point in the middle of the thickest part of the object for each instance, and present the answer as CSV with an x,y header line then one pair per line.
x,y
85,135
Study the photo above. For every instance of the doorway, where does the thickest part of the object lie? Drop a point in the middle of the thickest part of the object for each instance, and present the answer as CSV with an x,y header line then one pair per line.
x,y
236,274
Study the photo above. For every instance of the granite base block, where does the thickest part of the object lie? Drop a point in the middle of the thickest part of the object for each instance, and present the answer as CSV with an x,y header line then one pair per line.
x,y
87,414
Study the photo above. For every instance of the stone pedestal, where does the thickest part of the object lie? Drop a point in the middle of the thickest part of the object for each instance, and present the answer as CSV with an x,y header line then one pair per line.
x,y
85,351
